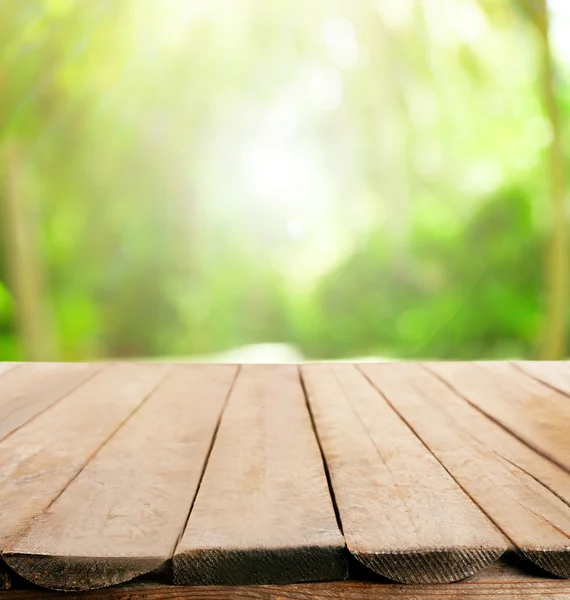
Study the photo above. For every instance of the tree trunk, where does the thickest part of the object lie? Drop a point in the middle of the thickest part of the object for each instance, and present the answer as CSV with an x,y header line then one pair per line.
x,y
22,258
557,257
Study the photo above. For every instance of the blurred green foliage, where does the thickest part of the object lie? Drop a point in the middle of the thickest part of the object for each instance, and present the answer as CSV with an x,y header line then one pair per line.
x,y
352,178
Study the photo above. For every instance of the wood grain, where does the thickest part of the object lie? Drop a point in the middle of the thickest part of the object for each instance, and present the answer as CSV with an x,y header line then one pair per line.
x,y
529,514
555,374
532,411
263,513
515,453
6,366
402,514
41,458
122,516
496,581
28,389
5,581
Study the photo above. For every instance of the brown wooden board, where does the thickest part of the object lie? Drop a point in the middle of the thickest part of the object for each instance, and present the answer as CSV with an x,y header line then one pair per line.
x,y
515,453
5,579
123,514
27,390
532,411
555,374
6,366
535,520
402,514
40,459
504,582
263,513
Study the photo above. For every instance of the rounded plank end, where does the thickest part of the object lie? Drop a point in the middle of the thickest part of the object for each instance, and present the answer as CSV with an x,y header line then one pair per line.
x,y
554,561
78,573
433,566
214,566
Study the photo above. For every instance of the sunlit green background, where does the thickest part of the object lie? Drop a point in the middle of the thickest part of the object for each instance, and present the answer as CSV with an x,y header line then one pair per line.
x,y
342,178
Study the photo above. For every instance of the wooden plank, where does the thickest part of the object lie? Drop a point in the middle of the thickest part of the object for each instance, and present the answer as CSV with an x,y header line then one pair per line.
x,y
402,515
553,373
5,580
124,513
530,515
27,389
532,411
30,388
6,366
489,433
41,458
263,513
497,581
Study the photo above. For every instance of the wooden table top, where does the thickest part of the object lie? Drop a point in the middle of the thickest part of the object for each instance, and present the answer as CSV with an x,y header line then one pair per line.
x,y
282,481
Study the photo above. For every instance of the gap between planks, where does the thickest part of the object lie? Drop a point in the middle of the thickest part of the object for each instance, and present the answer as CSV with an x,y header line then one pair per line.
x,y
530,410
263,513
38,460
536,520
402,514
29,390
516,465
26,391
555,374
108,525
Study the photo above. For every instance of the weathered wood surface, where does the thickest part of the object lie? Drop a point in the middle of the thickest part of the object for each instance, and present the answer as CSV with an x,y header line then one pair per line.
x,y
402,514
437,468
40,459
25,391
263,513
6,366
123,514
556,374
474,423
535,520
499,580
532,411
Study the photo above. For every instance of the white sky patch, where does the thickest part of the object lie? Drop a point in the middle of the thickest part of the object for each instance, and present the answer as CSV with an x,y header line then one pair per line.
x,y
270,172
470,21
340,40
296,230
325,88
279,168
560,24
452,21
282,172
483,177
396,13
423,107
173,19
